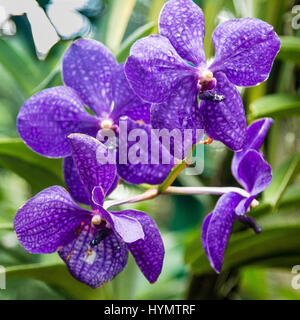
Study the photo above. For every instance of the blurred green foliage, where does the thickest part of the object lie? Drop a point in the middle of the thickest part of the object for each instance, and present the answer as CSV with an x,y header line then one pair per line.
x,y
256,267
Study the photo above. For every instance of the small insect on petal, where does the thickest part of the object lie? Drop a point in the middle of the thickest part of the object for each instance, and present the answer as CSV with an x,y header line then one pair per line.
x,y
99,236
211,96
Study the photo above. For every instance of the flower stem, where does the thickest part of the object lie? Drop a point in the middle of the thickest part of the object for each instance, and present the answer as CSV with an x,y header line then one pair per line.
x,y
172,176
147,195
206,190
176,171
154,192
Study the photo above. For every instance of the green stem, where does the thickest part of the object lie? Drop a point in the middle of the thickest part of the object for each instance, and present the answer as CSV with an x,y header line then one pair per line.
x,y
176,171
172,176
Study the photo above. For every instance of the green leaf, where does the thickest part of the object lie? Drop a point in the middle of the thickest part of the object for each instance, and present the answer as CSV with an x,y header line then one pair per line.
x,y
277,245
57,275
282,177
116,22
291,197
275,105
289,200
290,49
17,66
141,32
38,171
154,13
53,79
211,11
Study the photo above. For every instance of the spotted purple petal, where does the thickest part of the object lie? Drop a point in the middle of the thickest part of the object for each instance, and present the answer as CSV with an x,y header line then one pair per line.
x,y
73,182
180,111
139,160
154,68
225,121
245,50
256,134
219,229
254,173
182,22
48,117
48,221
98,265
205,225
87,67
148,253
85,152
75,185
127,103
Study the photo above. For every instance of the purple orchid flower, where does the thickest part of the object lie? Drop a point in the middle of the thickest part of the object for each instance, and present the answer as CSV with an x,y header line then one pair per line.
x,y
252,171
170,71
94,79
94,244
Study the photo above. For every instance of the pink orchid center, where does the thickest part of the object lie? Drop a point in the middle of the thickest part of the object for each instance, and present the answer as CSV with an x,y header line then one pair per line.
x,y
96,220
206,80
106,124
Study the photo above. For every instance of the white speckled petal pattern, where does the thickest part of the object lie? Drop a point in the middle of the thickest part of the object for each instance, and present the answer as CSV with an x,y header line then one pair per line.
x,y
225,121
245,50
87,68
182,22
154,68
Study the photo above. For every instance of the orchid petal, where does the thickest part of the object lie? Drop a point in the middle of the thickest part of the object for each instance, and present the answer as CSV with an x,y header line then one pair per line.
x,y
256,134
48,221
87,68
219,228
254,173
86,153
127,103
148,252
48,117
245,50
225,121
73,182
180,112
182,22
126,226
148,166
154,68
